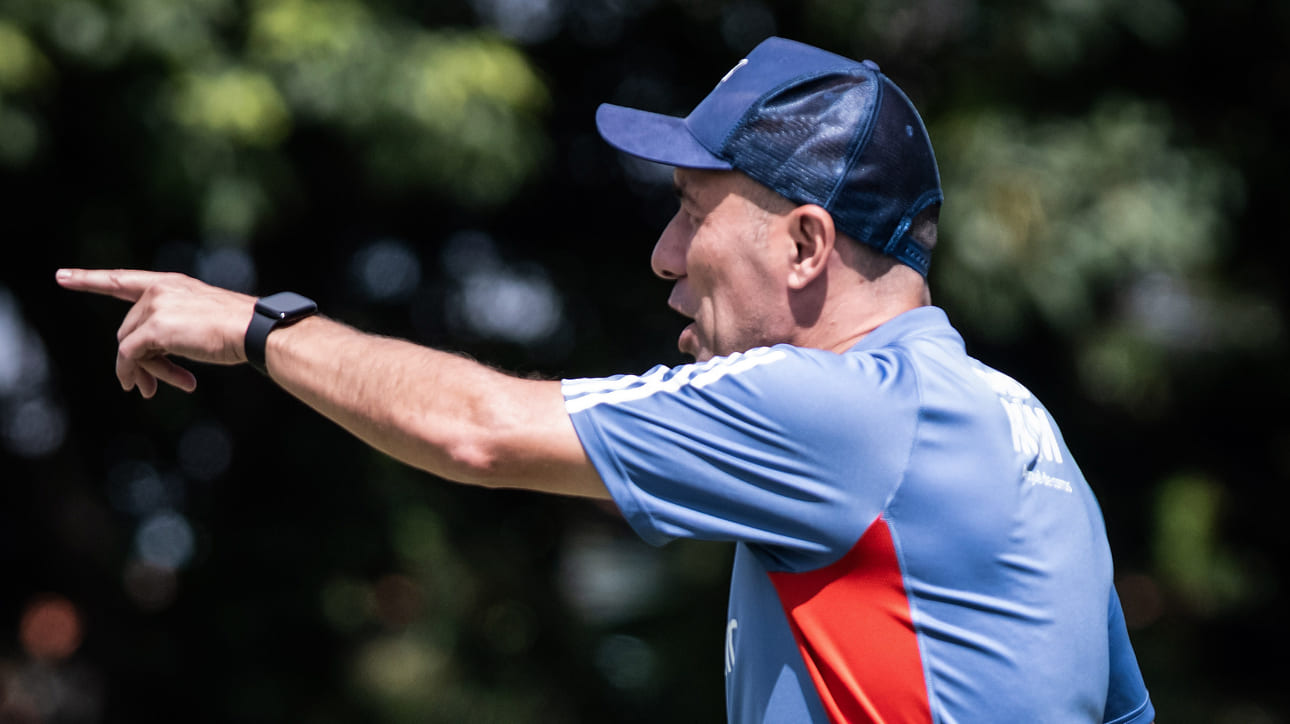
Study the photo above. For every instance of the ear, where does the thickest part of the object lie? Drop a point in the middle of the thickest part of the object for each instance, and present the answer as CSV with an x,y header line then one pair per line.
x,y
813,234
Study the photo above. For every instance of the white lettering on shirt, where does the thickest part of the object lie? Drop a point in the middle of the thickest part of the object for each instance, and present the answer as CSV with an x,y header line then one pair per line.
x,y
1032,433
730,645
1035,477
1032,430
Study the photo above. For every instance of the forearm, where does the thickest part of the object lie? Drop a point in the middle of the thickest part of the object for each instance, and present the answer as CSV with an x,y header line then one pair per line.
x,y
436,411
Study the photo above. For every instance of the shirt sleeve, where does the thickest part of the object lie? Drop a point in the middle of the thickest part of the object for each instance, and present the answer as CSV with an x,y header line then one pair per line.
x,y
1127,701
789,449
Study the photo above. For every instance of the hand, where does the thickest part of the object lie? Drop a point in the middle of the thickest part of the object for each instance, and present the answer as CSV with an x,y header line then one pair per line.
x,y
172,314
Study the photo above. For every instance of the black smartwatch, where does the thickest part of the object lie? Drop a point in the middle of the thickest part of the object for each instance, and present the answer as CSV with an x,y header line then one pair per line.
x,y
271,312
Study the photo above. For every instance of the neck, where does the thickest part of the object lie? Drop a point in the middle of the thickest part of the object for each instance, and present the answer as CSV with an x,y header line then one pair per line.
x,y
855,307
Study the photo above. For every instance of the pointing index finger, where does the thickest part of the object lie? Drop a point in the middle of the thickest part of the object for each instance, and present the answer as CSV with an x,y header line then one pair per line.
x,y
127,284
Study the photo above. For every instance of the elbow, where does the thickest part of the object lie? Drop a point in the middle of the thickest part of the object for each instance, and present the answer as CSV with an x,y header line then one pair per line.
x,y
458,451
474,460
492,459
478,452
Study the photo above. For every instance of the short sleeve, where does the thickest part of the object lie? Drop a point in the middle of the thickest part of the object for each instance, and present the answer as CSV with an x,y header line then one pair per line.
x,y
788,449
1127,701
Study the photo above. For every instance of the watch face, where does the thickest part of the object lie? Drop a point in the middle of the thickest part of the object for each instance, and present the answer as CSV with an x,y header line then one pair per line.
x,y
285,305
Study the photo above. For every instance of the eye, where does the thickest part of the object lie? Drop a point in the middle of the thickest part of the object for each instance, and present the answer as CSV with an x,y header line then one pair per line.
x,y
687,207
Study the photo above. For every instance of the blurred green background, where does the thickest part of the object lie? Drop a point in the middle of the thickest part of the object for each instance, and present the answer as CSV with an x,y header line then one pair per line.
x,y
1112,236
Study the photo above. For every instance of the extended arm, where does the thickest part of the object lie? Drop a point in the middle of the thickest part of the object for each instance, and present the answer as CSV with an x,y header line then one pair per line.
x,y
437,411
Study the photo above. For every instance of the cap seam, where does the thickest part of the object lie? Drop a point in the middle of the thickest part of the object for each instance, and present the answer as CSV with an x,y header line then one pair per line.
x,y
860,143
744,119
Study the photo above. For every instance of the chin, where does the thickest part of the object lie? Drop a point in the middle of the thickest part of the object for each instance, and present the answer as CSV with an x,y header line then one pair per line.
x,y
699,355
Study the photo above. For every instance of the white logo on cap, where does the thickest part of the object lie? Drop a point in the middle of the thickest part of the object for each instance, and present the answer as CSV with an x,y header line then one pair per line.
x,y
731,72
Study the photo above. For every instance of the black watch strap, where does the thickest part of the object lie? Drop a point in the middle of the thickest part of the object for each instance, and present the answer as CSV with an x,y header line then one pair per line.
x,y
257,338
271,312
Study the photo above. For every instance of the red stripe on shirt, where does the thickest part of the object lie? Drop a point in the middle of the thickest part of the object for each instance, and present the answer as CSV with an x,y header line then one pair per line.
x,y
854,630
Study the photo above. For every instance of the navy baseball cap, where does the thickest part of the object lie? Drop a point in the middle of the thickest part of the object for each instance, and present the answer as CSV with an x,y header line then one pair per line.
x,y
815,127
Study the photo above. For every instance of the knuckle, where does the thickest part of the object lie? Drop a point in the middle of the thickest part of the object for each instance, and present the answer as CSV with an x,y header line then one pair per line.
x,y
129,349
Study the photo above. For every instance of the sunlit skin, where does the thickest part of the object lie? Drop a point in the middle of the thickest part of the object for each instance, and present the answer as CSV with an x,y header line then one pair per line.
x,y
717,249
436,411
747,266
753,269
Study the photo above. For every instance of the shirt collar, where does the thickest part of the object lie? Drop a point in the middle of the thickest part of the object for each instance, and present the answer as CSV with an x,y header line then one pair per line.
x,y
919,322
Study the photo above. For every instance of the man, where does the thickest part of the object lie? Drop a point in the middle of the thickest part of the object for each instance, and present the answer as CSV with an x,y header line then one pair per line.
x,y
915,542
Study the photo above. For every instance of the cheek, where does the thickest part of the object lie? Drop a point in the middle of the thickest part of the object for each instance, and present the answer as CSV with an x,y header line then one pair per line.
x,y
730,273
738,313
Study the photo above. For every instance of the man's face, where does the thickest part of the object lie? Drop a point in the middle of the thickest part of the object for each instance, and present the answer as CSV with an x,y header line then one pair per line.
x,y
721,251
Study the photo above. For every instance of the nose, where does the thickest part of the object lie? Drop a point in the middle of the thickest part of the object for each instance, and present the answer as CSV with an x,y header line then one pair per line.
x,y
668,259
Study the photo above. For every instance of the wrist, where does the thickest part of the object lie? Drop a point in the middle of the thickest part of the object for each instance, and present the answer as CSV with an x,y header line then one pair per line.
x,y
271,313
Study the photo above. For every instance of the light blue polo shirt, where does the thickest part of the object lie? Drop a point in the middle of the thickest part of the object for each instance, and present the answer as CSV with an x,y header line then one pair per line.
x,y
915,542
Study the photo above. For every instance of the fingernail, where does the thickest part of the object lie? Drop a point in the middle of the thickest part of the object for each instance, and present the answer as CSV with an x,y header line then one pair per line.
x,y
63,274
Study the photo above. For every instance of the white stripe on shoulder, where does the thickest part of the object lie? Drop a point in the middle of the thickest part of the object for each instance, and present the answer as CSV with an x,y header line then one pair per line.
x,y
582,386
587,393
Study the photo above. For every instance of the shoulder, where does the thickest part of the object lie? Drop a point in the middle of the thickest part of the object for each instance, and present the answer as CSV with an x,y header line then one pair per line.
x,y
789,385
661,382
835,397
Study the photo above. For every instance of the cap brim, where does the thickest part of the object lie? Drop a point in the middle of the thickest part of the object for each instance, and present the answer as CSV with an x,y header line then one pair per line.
x,y
654,137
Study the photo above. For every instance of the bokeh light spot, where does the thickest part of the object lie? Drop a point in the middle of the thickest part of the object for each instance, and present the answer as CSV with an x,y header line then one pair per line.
x,y
399,666
22,65
237,103
31,423
228,267
231,208
625,661
527,21
137,488
523,308
165,540
205,451
387,270
497,300
11,343
81,28
50,629
35,428
608,579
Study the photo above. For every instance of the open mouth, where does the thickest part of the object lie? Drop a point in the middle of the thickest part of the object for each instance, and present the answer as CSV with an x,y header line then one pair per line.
x,y
688,340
